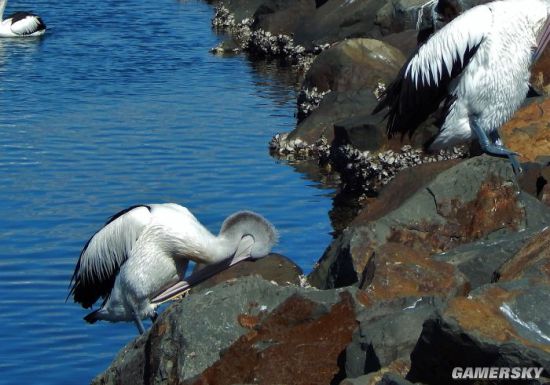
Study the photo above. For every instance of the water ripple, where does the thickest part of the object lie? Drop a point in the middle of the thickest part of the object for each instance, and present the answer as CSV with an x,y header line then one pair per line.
x,y
126,105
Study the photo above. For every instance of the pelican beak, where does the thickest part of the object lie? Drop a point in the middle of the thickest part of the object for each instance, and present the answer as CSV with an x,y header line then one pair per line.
x,y
242,253
542,40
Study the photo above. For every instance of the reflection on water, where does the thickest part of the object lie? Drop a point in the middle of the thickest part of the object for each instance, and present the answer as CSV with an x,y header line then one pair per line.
x,y
122,103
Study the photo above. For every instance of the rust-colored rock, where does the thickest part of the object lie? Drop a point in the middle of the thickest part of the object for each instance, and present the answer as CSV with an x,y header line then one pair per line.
x,y
293,345
532,261
470,201
504,325
396,271
483,315
496,206
528,132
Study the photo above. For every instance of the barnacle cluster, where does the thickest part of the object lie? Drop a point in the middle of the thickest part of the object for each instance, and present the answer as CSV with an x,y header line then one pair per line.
x,y
367,172
307,101
263,43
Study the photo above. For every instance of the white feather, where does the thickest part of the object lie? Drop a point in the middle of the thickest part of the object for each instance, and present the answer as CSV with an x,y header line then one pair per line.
x,y
147,248
448,45
26,26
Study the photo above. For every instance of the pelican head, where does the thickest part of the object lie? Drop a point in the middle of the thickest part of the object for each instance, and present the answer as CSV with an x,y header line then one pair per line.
x,y
247,223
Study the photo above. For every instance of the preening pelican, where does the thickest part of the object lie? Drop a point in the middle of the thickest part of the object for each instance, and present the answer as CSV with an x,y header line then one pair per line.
x,y
478,65
144,250
20,24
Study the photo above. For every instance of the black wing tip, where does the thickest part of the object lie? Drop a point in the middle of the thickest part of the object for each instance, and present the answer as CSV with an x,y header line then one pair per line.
x,y
126,210
87,293
92,317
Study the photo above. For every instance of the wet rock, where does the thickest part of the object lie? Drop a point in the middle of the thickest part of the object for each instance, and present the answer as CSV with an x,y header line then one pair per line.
x,y
334,107
363,132
500,325
282,146
226,47
474,200
354,64
190,335
258,42
528,131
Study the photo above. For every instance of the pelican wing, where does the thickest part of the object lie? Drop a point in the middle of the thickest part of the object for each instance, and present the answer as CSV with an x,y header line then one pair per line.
x,y
25,23
424,80
104,254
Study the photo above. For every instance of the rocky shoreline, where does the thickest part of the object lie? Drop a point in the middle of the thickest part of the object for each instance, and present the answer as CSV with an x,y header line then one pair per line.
x,y
445,264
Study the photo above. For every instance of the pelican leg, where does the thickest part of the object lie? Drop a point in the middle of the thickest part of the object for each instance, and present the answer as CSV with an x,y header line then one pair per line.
x,y
495,147
139,324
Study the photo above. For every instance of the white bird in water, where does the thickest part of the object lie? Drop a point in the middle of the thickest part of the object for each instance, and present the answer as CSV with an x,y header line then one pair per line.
x,y
142,251
20,24
478,66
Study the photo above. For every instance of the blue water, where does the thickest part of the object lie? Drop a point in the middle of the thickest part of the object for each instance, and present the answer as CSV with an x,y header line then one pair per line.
x,y
122,103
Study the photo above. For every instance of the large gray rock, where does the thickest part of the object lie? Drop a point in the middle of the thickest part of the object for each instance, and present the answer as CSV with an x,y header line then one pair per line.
x,y
479,260
334,107
337,20
354,64
387,332
476,200
499,325
351,70
282,16
190,335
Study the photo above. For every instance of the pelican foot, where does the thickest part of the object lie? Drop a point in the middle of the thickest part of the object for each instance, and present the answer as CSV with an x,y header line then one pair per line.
x,y
496,148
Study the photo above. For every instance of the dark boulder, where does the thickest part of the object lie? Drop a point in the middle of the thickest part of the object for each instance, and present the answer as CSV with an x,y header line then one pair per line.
x,y
354,64
274,267
503,325
334,107
387,334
